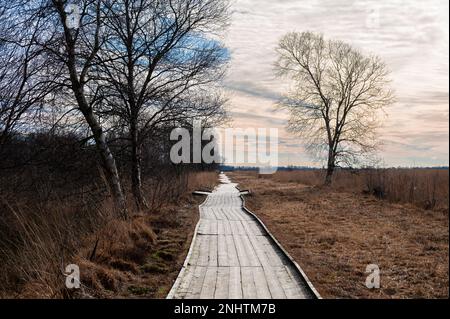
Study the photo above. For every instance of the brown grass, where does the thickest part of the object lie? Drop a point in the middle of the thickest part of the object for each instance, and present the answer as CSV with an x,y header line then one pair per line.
x,y
334,234
425,188
139,258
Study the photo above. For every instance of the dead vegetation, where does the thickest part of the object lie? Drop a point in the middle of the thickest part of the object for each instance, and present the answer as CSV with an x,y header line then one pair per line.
x,y
335,232
136,258
425,188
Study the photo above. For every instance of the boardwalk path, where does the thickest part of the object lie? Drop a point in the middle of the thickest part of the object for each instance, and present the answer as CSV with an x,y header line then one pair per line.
x,y
232,256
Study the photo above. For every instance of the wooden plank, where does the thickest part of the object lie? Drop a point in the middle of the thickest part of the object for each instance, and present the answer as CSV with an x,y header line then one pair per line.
x,y
209,284
196,285
219,214
212,227
195,254
241,228
261,285
235,214
183,288
223,227
236,227
202,226
248,284
213,250
259,250
240,249
203,250
242,214
222,283
227,227
202,211
247,228
272,281
233,258
300,287
222,254
235,286
276,291
249,251
252,228
289,286
276,260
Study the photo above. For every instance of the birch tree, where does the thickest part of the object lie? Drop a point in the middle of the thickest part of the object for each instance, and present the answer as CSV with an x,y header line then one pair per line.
x,y
70,36
159,67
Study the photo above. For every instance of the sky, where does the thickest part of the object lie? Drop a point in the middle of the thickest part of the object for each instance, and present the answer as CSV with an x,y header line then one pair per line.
x,y
411,36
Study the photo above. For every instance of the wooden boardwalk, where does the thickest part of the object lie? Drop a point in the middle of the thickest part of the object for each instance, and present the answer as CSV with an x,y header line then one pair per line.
x,y
232,256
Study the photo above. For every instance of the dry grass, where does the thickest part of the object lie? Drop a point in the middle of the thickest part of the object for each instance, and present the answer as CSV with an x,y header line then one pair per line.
x,y
425,188
335,234
37,241
137,258
176,186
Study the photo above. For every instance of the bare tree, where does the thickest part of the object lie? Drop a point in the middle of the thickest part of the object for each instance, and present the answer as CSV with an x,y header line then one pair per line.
x,y
71,48
23,89
159,66
336,99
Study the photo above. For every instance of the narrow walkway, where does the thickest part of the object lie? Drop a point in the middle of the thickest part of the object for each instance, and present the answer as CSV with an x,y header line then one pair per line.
x,y
233,257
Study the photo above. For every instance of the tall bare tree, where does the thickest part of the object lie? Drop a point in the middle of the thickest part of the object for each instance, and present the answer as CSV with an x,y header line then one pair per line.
x,y
70,35
23,89
159,66
336,99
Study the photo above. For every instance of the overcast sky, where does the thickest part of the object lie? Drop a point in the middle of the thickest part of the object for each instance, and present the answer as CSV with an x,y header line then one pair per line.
x,y
410,35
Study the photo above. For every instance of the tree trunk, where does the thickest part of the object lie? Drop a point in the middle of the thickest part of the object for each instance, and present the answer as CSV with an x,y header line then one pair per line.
x,y
330,168
77,81
329,176
136,181
109,164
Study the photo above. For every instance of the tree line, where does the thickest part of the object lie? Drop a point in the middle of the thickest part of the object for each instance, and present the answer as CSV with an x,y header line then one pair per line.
x,y
116,72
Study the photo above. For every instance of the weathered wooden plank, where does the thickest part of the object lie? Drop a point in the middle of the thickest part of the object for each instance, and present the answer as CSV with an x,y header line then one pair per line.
x,y
222,253
259,250
233,258
183,288
213,251
237,228
227,227
213,227
299,286
241,252
248,283
203,250
271,279
290,287
222,283
250,252
196,285
274,284
220,227
209,284
252,228
261,285
195,253
276,260
235,284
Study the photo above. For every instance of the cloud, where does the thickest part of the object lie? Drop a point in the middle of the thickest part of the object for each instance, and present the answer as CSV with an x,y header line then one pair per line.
x,y
266,121
252,89
410,35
